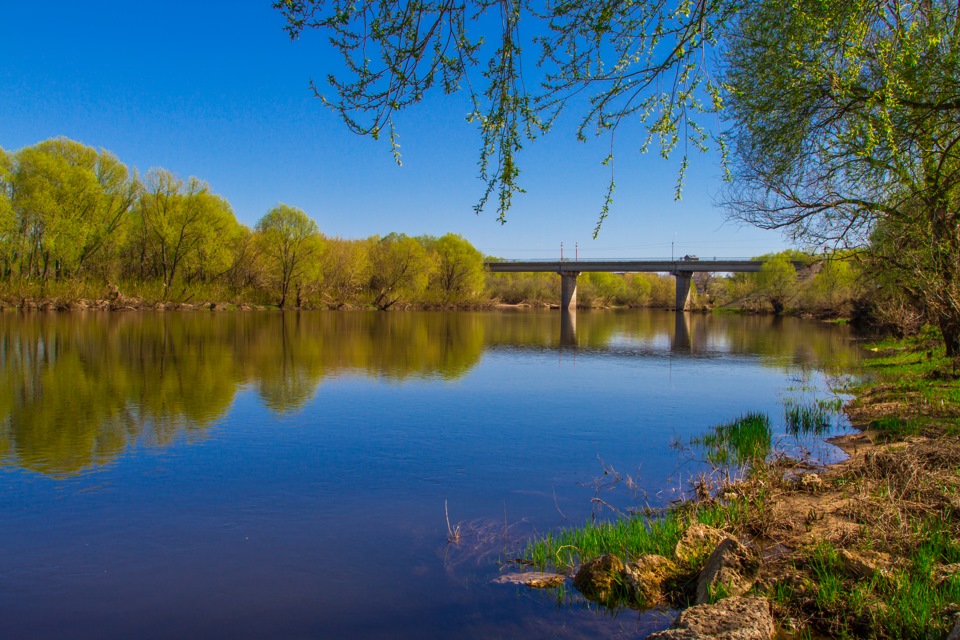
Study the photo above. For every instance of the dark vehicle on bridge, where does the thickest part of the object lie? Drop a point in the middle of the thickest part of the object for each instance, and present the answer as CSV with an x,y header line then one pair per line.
x,y
690,258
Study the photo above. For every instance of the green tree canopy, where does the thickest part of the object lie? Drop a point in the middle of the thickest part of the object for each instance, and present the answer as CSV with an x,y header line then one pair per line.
x,y
346,270
604,288
777,281
291,242
459,273
182,228
68,200
401,268
9,233
835,284
845,124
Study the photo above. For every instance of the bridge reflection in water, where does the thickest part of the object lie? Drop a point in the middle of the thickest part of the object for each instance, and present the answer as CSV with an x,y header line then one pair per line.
x,y
681,340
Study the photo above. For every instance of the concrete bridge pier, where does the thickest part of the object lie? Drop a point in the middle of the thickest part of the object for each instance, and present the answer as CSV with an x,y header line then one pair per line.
x,y
568,289
684,279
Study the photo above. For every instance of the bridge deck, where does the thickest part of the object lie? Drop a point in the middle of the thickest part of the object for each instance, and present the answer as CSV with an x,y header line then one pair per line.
x,y
625,266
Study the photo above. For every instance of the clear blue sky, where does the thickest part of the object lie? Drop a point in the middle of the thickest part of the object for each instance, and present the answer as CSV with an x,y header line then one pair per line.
x,y
217,90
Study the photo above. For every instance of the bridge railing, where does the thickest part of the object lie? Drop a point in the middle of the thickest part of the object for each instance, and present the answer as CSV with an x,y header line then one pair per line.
x,y
616,260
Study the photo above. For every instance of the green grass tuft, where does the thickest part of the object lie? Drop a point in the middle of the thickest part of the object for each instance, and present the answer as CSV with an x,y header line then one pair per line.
x,y
627,537
808,419
743,441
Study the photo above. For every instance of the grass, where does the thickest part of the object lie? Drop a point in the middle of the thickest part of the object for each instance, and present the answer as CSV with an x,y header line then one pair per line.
x,y
904,499
907,601
627,537
741,442
745,441
918,386
808,419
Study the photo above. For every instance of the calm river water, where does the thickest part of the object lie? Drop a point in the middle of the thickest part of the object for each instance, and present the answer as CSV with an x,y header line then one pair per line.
x,y
268,475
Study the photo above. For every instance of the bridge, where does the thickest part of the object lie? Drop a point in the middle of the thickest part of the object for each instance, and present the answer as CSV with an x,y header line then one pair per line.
x,y
682,270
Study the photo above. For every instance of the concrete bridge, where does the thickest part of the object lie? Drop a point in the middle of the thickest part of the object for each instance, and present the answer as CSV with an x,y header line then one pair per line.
x,y
682,270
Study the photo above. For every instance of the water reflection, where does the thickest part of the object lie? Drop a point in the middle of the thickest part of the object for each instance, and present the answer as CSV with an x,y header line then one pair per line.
x,y
77,390
568,327
681,333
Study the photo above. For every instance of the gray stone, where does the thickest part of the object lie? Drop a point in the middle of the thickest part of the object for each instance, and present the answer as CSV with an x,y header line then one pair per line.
x,y
697,543
731,570
644,578
534,579
955,632
731,619
600,579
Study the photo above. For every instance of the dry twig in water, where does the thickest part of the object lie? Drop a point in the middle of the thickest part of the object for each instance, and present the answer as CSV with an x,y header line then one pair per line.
x,y
453,533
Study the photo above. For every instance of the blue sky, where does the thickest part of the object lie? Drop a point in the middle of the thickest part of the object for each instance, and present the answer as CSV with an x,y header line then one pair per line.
x,y
217,90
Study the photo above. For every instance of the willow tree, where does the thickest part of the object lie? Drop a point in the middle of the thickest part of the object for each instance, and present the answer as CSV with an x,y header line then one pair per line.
x,y
345,268
846,125
401,269
291,243
68,200
459,274
639,62
181,225
777,282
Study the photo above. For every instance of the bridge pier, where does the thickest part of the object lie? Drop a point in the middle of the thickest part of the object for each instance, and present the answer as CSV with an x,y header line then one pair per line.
x,y
684,278
568,290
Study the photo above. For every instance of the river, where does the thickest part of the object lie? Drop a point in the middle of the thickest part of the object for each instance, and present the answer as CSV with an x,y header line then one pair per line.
x,y
289,475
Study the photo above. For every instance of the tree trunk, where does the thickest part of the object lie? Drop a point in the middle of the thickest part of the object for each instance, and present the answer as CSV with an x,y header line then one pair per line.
x,y
950,329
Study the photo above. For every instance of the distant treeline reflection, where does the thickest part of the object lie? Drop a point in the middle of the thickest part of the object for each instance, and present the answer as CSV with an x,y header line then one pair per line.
x,y
77,390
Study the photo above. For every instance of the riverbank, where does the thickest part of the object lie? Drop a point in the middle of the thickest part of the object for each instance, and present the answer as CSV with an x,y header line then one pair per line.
x,y
81,295
115,301
120,303
869,547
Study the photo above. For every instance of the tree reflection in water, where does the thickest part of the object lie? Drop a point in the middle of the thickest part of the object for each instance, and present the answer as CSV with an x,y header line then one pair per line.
x,y
76,390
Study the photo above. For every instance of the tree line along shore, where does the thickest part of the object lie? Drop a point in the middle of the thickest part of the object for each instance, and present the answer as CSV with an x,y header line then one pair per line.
x,y
78,228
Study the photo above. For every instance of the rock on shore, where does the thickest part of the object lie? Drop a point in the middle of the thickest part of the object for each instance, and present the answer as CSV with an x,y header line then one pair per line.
x,y
735,618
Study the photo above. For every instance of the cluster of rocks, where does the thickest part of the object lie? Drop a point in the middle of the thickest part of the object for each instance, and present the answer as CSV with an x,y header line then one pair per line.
x,y
709,567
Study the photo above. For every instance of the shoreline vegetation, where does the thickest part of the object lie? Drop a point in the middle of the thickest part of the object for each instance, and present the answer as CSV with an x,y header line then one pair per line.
x,y
741,293
865,548
79,229
814,291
